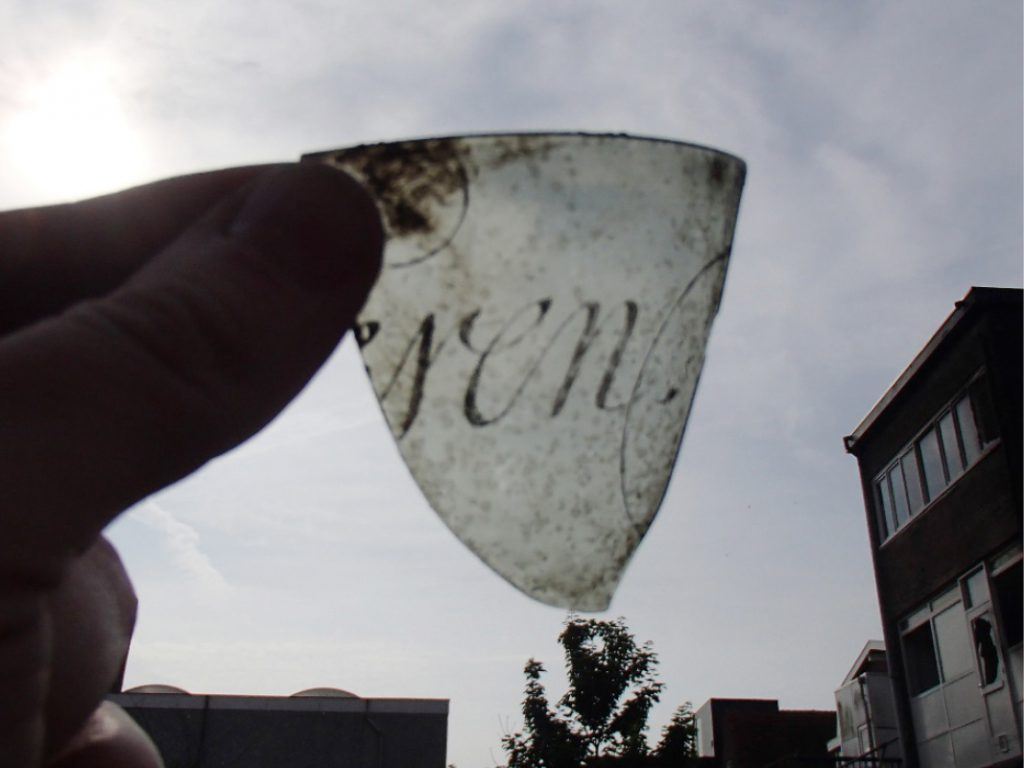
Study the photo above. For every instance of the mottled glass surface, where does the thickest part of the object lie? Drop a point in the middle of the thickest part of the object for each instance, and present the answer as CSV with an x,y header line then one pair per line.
x,y
537,334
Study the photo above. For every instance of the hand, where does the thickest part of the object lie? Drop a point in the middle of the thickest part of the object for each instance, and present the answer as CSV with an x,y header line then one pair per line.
x,y
141,335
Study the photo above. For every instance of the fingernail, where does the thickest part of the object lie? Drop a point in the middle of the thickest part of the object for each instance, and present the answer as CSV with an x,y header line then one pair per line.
x,y
314,223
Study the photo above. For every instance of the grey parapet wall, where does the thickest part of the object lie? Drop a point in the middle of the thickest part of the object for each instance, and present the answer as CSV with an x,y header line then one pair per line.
x,y
201,731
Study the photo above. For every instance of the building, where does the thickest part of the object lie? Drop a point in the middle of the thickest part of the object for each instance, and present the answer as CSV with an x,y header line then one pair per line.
x,y
865,709
940,464
755,733
318,728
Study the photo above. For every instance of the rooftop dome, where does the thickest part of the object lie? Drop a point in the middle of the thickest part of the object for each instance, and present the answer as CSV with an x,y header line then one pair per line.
x,y
155,688
324,692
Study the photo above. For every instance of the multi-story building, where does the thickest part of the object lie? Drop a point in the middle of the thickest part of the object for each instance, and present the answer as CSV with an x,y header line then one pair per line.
x,y
865,712
940,463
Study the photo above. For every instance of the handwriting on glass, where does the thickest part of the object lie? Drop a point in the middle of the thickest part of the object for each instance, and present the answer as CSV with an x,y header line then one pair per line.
x,y
426,344
523,327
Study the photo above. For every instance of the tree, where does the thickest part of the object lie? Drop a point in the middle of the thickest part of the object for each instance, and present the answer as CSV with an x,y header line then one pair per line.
x,y
679,737
602,718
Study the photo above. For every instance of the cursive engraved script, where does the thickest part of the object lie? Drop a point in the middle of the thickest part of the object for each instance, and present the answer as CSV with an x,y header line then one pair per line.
x,y
531,331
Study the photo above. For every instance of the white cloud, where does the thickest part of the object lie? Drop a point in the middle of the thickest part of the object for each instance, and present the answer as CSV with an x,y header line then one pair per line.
x,y
181,542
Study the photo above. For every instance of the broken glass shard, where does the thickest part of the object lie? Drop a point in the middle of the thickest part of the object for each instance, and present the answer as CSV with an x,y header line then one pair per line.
x,y
537,333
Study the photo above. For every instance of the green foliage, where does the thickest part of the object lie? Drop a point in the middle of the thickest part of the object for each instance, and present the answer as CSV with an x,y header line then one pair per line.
x,y
679,737
602,718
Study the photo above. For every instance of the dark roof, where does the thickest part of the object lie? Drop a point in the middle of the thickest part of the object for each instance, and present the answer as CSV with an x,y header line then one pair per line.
x,y
976,299
129,699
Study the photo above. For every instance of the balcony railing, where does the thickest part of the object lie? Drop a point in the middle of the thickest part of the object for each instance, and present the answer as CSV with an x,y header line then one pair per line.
x,y
836,762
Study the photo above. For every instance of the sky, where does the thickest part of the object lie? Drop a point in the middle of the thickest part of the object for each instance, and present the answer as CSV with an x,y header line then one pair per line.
x,y
883,144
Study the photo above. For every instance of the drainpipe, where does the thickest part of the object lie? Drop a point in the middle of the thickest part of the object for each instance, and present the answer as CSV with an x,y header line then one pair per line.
x,y
377,732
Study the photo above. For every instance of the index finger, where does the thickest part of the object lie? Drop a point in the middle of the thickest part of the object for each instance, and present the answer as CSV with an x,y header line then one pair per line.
x,y
202,347
56,256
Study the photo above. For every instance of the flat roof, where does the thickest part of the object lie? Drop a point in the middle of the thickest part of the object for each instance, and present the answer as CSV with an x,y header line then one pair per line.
x,y
976,297
281,703
872,646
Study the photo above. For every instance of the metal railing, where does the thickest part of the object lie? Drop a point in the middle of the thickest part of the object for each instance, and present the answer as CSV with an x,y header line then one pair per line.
x,y
865,761
872,759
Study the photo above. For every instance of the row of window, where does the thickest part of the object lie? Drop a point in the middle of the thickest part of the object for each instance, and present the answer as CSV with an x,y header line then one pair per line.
x,y
950,445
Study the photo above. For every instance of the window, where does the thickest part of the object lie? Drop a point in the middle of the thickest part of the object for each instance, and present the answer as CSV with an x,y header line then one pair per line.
x,y
953,660
1008,589
922,666
899,493
908,462
864,739
886,522
941,649
955,655
931,460
957,633
985,650
949,446
971,440
992,597
976,586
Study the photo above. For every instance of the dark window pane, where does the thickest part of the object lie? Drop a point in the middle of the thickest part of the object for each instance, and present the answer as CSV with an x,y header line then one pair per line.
x,y
922,668
931,460
950,446
968,430
886,523
913,478
1010,594
899,496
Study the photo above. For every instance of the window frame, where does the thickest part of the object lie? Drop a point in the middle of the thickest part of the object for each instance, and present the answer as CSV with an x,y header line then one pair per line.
x,y
911,677
987,613
958,594
888,518
1007,562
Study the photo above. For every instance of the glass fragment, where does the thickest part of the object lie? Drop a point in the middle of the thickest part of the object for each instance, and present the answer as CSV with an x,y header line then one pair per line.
x,y
537,333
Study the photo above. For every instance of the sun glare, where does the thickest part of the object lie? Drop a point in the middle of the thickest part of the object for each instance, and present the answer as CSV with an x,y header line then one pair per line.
x,y
70,136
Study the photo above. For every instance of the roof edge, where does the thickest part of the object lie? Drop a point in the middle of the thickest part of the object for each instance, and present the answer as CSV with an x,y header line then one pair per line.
x,y
869,646
976,297
280,703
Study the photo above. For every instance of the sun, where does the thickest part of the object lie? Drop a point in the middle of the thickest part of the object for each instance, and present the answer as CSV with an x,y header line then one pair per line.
x,y
70,136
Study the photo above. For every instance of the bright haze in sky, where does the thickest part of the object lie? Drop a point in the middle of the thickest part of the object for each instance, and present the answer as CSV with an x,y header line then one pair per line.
x,y
883,143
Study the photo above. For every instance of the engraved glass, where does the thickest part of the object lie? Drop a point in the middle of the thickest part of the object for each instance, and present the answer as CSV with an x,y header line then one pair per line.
x,y
537,333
